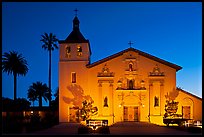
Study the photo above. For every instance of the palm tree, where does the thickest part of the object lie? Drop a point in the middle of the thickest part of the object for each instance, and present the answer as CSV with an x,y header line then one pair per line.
x,y
14,63
32,96
55,103
39,90
49,43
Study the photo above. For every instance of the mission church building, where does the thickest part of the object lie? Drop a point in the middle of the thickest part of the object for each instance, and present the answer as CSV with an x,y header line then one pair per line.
x,y
130,85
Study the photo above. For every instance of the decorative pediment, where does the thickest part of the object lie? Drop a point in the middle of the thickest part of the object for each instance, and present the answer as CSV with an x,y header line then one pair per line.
x,y
156,72
105,72
130,84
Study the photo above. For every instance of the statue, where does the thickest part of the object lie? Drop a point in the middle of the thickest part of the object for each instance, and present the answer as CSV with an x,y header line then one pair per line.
x,y
156,101
105,102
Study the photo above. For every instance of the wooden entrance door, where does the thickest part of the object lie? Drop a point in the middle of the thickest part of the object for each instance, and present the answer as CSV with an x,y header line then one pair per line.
x,y
136,114
125,113
130,113
186,111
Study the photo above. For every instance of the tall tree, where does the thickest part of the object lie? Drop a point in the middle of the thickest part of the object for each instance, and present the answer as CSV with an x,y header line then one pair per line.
x,y
14,63
21,104
32,96
9,104
39,90
55,102
49,44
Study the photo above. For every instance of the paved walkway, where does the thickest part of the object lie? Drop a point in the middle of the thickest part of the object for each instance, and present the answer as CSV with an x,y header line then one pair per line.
x,y
143,128
121,128
61,129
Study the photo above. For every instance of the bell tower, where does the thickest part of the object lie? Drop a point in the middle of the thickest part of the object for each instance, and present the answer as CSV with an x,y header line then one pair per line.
x,y
75,47
74,55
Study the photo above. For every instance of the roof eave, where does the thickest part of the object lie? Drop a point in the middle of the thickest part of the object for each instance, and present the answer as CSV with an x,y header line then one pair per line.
x,y
140,53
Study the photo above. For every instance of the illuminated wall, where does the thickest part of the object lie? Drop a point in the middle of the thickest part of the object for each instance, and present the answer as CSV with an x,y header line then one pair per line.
x,y
101,81
72,92
127,86
192,102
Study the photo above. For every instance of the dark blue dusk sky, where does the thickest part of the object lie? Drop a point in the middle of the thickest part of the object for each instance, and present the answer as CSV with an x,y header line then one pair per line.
x,y
170,30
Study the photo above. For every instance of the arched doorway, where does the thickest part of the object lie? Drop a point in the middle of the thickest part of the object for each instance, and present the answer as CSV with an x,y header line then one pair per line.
x,y
187,108
131,84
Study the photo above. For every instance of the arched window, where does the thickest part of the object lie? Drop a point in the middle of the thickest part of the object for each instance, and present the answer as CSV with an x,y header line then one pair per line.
x,y
130,67
131,84
79,50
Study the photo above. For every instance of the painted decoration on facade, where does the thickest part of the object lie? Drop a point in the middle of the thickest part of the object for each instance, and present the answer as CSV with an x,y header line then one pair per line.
x,y
82,105
156,72
136,98
105,72
172,94
130,84
78,96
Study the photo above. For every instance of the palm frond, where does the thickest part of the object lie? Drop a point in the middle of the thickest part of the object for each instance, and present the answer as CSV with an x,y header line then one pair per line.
x,y
55,45
38,90
46,35
49,41
13,62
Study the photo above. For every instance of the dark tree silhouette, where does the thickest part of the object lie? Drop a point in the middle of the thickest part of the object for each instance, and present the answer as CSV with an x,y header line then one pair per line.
x,y
49,43
21,104
41,91
9,104
32,96
14,63
55,102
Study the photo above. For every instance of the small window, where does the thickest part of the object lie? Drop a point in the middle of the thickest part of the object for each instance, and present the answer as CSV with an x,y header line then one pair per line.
x,y
73,77
79,50
156,101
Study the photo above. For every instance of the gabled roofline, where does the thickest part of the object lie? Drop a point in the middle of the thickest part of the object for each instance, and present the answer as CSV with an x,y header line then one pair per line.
x,y
179,89
140,53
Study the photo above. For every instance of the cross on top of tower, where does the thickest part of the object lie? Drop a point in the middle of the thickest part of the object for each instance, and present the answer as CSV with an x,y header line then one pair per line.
x,y
130,43
76,10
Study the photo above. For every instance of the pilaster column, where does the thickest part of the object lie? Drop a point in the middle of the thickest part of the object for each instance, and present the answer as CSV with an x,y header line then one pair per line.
x,y
100,98
112,99
162,98
150,98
